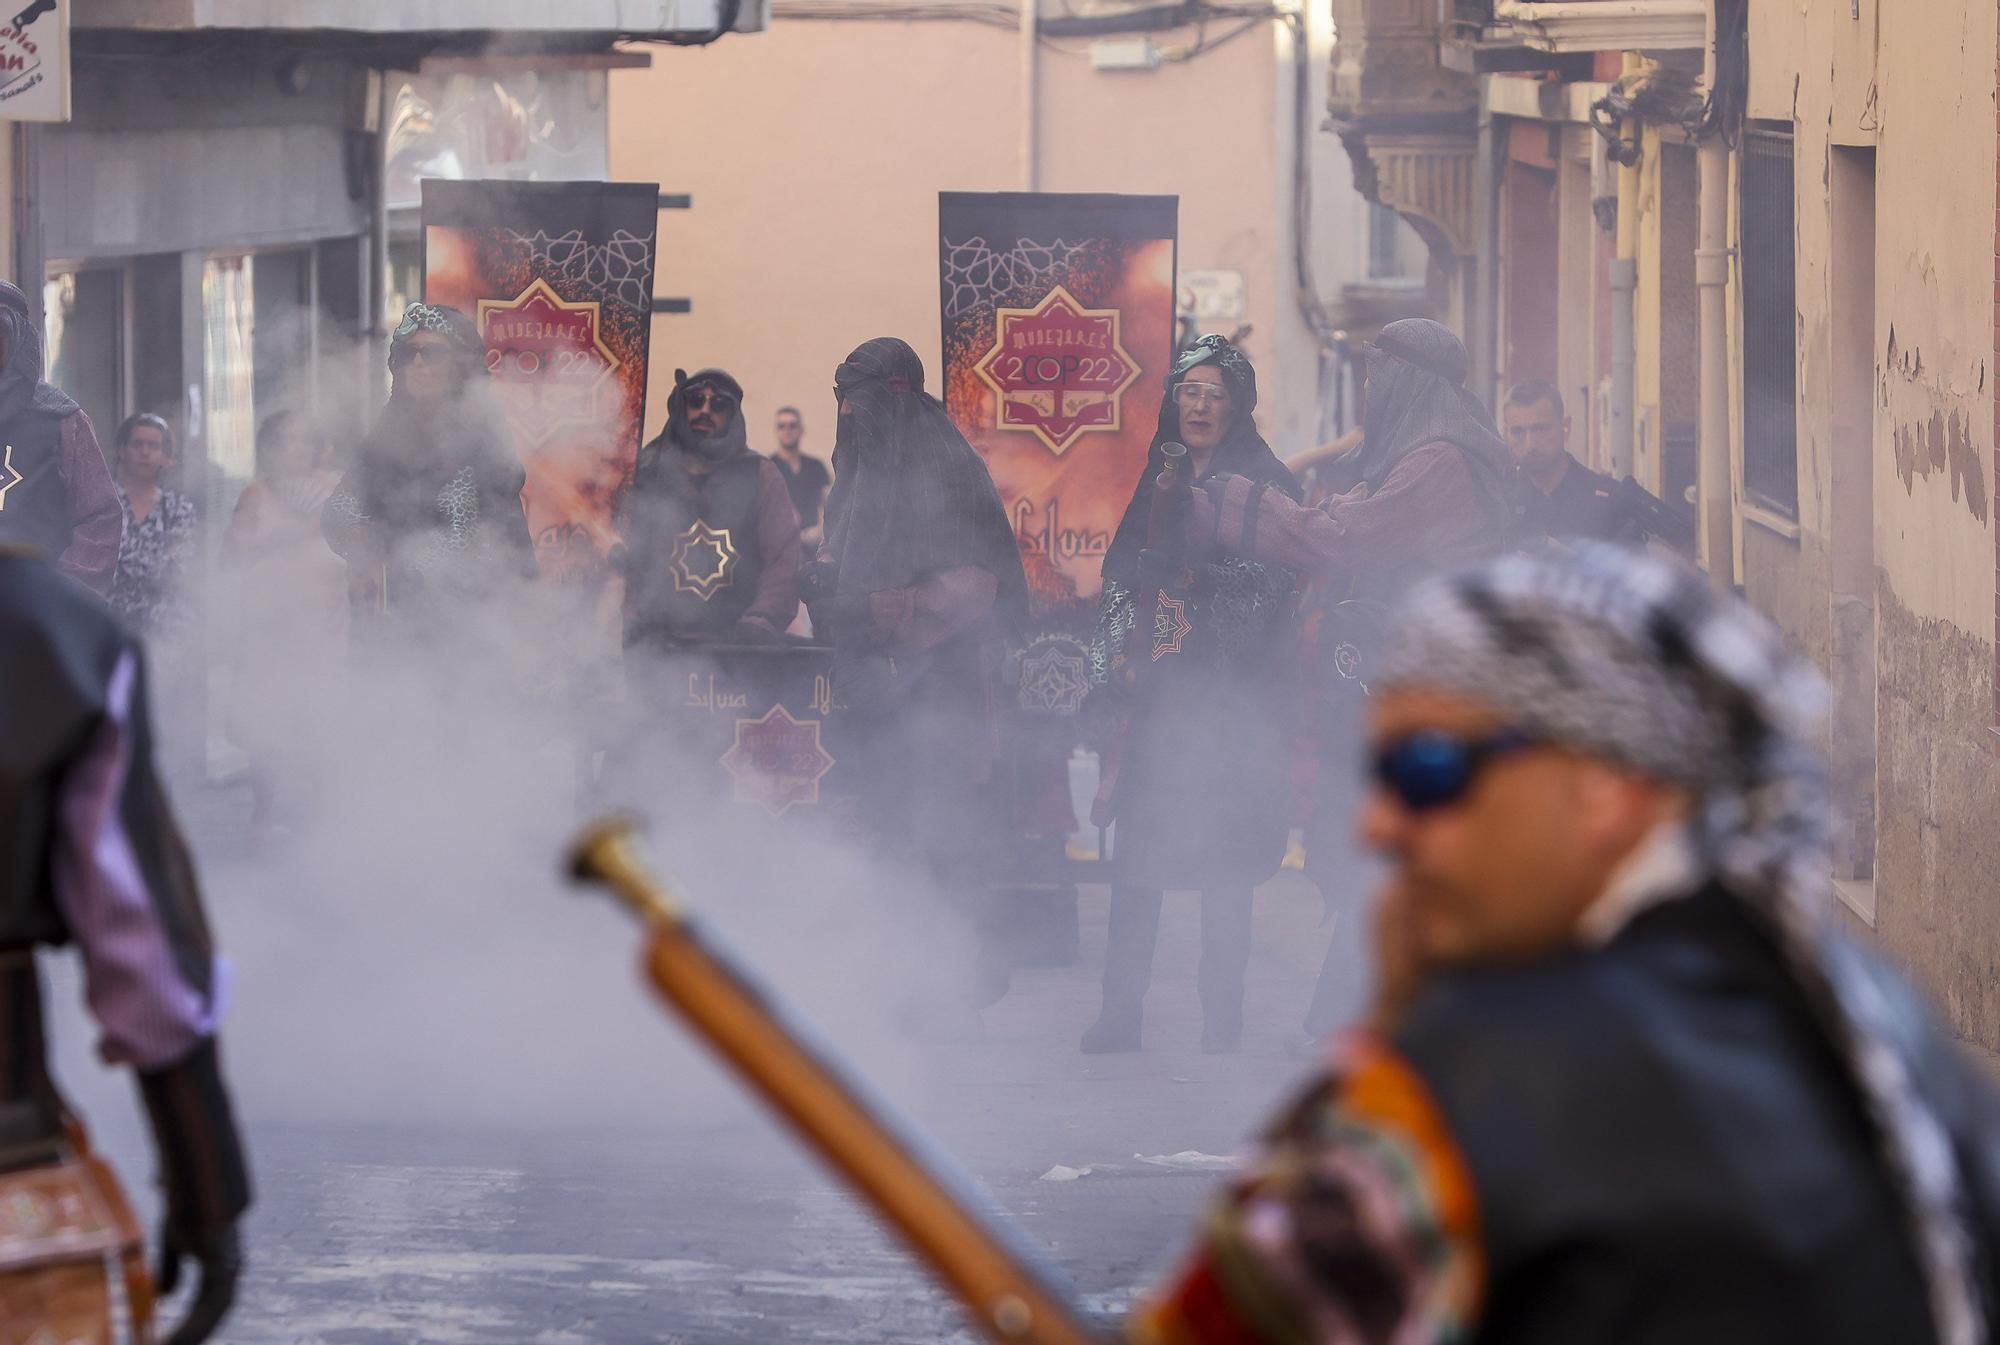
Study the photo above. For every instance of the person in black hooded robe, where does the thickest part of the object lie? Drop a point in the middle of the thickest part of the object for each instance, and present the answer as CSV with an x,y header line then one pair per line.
x,y
429,518
1204,800
1429,488
920,585
56,492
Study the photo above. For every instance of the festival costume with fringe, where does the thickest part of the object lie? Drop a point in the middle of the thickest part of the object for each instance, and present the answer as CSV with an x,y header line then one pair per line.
x,y
1711,1119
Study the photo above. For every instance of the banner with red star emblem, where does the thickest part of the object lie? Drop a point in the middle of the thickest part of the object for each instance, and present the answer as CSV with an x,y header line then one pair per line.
x,y
559,277
1058,333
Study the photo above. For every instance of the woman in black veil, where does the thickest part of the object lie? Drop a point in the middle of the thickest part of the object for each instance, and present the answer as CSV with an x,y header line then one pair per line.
x,y
920,586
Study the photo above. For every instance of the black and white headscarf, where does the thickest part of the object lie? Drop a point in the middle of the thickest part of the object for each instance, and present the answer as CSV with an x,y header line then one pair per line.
x,y
1634,659
445,321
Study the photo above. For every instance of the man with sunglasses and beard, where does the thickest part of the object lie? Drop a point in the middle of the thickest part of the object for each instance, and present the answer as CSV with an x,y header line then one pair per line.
x,y
710,546
1624,1081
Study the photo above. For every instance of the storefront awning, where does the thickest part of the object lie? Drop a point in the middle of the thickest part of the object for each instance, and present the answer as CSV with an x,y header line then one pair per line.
x,y
567,20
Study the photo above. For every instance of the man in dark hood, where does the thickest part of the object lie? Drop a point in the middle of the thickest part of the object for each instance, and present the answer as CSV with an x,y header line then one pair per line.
x,y
56,493
1428,488
711,540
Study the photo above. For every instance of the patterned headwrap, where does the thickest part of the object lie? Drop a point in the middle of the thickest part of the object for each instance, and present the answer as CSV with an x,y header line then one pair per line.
x,y
1634,659
447,322
1242,452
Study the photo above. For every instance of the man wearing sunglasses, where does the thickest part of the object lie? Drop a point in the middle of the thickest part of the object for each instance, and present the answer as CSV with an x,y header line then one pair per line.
x,y
711,541
1624,1082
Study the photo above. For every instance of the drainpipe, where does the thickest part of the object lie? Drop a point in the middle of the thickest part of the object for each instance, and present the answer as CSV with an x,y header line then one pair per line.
x,y
1714,490
1485,316
381,96
1624,285
1031,128
29,264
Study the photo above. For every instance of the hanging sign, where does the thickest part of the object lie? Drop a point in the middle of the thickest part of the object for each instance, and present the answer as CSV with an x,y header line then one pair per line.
x,y
559,277
34,60
1058,333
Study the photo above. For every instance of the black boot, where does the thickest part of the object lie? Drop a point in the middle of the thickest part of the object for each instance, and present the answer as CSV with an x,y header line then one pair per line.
x,y
1128,970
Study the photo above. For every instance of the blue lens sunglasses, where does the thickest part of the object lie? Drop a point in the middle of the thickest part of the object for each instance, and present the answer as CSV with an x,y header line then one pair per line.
x,y
1434,769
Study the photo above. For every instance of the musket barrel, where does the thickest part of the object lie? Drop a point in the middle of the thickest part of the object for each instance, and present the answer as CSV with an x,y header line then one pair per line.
x,y
934,1205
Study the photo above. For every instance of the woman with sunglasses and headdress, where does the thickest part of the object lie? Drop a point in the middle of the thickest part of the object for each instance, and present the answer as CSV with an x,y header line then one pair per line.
x,y
430,513
1203,801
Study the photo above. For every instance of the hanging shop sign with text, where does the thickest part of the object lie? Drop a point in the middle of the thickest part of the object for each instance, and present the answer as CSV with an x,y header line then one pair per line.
x,y
34,61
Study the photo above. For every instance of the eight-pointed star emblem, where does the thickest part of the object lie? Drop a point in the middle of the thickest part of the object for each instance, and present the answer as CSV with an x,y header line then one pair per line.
x,y
1170,627
1054,677
777,761
1058,369
9,476
704,560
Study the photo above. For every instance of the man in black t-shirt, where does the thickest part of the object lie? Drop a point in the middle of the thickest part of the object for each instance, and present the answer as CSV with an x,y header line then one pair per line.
x,y
1555,495
807,478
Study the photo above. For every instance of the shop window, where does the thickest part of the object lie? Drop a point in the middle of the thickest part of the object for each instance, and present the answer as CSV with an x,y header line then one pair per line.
x,y
256,326
84,333
1392,245
406,278
1770,325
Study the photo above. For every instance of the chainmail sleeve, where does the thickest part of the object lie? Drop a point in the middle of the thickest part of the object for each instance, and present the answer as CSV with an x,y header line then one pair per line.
x,y
1114,624
344,521
1246,604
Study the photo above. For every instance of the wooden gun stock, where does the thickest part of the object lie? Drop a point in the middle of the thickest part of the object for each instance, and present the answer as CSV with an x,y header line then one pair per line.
x,y
931,1202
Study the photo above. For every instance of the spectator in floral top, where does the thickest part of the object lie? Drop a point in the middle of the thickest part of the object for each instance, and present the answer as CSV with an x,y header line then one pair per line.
x,y
149,590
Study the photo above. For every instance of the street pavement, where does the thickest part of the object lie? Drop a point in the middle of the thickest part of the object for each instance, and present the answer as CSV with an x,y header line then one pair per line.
x,y
415,1188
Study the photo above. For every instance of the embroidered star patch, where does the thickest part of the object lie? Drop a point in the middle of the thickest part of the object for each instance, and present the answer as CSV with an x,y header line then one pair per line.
x,y
704,560
9,478
1170,627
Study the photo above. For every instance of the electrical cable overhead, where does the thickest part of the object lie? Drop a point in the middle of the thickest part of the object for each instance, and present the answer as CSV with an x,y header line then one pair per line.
x,y
991,13
998,14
